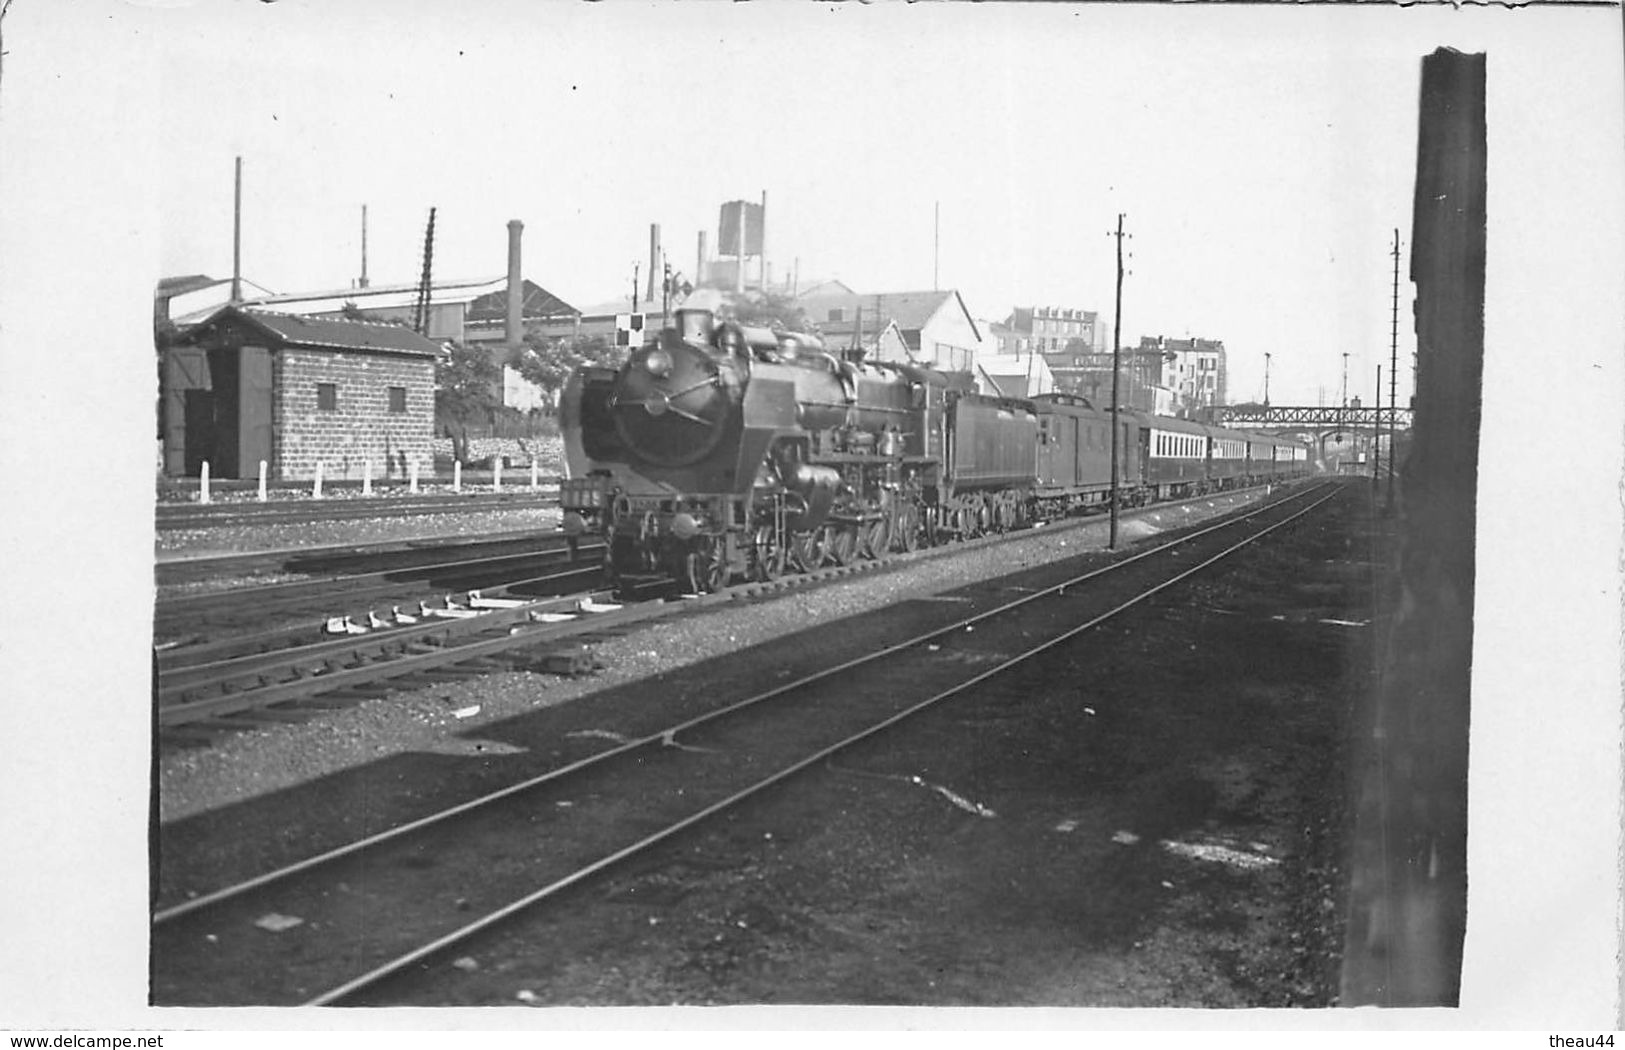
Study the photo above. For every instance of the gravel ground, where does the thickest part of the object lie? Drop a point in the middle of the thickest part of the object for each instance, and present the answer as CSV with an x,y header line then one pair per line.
x,y
438,718
1172,836
247,538
1153,814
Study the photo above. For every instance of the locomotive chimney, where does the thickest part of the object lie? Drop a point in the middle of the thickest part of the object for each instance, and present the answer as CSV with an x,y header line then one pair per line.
x,y
514,331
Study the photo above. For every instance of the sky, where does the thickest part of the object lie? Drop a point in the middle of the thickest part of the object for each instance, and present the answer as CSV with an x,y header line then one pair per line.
x,y
1263,157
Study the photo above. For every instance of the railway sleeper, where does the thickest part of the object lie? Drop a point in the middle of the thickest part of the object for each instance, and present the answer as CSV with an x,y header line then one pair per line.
x,y
283,713
567,663
446,674
186,736
339,699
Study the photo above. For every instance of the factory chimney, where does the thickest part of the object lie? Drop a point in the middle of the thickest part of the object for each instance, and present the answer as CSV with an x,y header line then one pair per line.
x,y
363,246
654,260
699,262
516,286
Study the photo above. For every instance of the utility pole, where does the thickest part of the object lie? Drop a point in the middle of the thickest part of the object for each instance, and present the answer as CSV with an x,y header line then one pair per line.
x,y
665,291
1343,412
237,237
1376,439
426,282
1117,358
739,245
1393,377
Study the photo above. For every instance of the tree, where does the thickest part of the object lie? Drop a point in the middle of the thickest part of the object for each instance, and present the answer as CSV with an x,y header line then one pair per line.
x,y
467,388
768,310
549,362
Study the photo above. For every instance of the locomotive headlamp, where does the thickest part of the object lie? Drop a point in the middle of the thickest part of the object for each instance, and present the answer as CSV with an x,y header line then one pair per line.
x,y
684,525
658,363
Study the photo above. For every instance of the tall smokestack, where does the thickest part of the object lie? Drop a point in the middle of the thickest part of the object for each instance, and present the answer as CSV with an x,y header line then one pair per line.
x,y
699,262
764,242
516,285
363,246
237,237
654,260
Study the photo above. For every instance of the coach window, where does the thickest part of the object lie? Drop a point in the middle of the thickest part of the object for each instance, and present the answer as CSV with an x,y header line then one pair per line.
x,y
397,399
327,397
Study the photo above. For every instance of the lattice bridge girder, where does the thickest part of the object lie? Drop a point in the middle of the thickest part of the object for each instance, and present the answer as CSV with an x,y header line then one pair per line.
x,y
1313,417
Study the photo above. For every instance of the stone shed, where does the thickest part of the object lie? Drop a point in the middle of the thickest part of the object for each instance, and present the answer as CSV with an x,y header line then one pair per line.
x,y
246,385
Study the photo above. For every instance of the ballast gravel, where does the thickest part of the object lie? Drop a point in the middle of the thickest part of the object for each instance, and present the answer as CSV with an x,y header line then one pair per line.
x,y
245,539
444,717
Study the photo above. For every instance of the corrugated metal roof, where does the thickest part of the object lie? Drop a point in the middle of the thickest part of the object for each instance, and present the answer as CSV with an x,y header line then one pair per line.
x,y
911,310
378,297
336,335
168,286
538,302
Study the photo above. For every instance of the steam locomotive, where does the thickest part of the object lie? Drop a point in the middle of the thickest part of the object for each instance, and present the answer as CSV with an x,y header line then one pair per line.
x,y
720,451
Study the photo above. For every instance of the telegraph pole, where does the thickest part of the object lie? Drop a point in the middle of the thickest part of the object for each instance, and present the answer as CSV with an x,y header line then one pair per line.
x,y
1343,415
237,236
1376,441
665,291
1393,377
1117,357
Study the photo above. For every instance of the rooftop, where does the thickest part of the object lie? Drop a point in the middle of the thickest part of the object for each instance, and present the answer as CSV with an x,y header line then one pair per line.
x,y
295,330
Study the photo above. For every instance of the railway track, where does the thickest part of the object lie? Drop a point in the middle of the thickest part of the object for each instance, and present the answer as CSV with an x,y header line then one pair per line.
x,y
338,927
344,559
237,681
171,516
407,576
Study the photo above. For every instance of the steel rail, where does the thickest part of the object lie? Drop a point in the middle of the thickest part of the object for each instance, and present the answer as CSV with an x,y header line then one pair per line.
x,y
663,736
221,655
352,584
493,918
518,631
181,567
215,515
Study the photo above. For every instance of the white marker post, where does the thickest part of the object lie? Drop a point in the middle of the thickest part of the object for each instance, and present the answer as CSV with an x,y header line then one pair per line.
x,y
414,471
316,487
263,494
496,473
366,477
457,476
535,478
203,484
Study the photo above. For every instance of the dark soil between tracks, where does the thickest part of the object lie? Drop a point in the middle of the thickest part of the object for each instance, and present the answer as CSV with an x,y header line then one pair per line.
x,y
1168,802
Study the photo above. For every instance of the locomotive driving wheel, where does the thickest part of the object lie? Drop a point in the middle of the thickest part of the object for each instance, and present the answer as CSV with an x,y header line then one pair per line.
x,y
875,538
705,568
767,556
807,550
841,543
905,534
